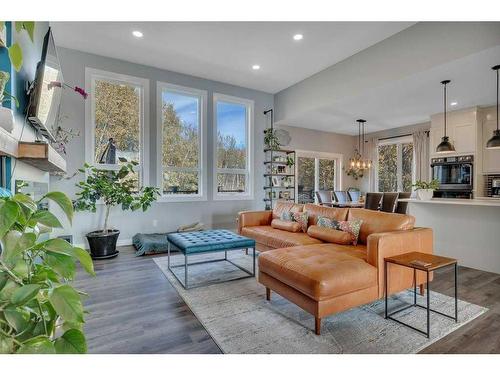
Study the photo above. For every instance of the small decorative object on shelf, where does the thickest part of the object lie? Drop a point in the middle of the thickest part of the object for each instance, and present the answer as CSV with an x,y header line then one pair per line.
x,y
279,171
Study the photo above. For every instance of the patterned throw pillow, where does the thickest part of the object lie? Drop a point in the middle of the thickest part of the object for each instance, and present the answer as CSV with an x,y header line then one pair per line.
x,y
326,222
352,227
301,218
286,216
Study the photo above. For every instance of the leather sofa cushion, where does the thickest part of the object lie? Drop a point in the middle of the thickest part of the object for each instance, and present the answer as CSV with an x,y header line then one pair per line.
x,y
329,235
277,238
376,222
289,226
318,271
315,210
286,207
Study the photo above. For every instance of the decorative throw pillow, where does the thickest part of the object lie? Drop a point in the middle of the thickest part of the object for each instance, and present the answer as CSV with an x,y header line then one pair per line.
x,y
326,222
286,216
352,227
301,218
289,226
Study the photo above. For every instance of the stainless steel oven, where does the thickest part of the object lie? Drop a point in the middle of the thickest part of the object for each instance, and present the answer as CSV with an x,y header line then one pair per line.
x,y
455,176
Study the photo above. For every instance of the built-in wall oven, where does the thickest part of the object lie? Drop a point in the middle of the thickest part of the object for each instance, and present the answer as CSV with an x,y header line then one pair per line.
x,y
455,176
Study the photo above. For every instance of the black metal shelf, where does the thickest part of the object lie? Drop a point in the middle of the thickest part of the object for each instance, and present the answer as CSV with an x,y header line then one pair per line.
x,y
276,162
281,150
279,187
278,175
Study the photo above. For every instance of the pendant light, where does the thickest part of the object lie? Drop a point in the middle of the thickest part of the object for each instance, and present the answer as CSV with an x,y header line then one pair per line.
x,y
445,146
358,162
494,142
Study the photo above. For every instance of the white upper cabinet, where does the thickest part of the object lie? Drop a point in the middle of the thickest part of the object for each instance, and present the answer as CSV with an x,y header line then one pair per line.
x,y
491,158
461,128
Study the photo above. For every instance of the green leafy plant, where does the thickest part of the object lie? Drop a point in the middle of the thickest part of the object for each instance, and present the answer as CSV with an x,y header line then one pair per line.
x,y
40,312
271,139
290,161
354,172
15,54
424,185
113,188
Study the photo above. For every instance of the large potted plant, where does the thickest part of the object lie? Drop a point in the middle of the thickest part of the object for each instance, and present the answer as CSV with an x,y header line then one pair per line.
x,y
40,312
112,188
425,190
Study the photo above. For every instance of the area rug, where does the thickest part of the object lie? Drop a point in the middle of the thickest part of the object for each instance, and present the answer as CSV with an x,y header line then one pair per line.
x,y
240,320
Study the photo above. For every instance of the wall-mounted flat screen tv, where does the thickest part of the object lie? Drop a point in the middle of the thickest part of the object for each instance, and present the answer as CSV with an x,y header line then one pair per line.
x,y
45,97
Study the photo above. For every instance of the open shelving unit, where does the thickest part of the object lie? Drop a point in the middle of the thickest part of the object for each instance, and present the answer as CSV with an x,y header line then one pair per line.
x,y
279,173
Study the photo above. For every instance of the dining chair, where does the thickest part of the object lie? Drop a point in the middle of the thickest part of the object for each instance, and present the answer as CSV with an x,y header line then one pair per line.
x,y
372,201
324,197
389,201
341,196
402,207
354,195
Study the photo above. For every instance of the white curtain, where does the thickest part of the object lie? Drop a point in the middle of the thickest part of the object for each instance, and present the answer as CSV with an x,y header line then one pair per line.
x,y
371,153
421,152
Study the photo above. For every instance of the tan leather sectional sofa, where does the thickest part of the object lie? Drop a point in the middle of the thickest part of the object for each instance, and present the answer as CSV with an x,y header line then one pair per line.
x,y
323,277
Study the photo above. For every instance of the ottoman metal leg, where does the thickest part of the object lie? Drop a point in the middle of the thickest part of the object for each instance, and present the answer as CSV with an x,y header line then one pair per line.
x,y
186,271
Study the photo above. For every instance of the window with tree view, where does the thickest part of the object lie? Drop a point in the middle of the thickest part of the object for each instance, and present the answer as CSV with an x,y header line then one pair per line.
x,y
117,116
181,140
395,165
117,120
232,123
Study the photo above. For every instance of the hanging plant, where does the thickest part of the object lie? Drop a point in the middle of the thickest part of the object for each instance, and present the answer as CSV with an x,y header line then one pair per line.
x,y
271,140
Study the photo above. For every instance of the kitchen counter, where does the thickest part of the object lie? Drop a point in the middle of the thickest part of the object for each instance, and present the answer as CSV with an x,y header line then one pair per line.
x,y
485,201
465,229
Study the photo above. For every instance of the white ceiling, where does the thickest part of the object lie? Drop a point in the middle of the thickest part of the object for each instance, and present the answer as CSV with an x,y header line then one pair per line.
x,y
226,51
412,100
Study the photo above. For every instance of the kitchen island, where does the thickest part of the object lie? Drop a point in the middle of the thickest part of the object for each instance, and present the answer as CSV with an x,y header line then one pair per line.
x,y
465,229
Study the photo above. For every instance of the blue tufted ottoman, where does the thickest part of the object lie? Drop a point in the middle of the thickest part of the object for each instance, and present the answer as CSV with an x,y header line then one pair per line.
x,y
208,241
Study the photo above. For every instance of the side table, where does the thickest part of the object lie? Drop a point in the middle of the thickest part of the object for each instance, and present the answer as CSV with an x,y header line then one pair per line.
x,y
432,263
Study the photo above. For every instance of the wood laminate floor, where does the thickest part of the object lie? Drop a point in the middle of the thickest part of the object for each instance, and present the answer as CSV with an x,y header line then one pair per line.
x,y
134,309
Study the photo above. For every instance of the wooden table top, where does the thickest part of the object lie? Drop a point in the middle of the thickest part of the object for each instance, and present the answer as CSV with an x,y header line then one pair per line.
x,y
435,261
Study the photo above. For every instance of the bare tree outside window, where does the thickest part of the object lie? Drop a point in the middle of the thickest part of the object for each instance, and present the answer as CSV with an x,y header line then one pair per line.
x,y
181,143
231,147
395,167
305,179
326,174
117,115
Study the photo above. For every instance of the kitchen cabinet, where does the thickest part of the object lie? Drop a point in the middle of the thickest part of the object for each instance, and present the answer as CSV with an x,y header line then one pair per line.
x,y
461,129
491,158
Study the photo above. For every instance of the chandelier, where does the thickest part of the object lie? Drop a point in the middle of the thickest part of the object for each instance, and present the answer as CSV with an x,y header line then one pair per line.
x,y
358,164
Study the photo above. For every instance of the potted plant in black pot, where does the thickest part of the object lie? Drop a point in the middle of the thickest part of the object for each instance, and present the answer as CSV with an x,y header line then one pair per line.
x,y
112,188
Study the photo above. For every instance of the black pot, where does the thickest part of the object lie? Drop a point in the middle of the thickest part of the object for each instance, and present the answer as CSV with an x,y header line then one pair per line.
x,y
103,244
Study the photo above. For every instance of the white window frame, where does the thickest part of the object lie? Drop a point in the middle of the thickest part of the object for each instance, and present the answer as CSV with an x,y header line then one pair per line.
x,y
249,170
91,75
202,162
399,163
339,163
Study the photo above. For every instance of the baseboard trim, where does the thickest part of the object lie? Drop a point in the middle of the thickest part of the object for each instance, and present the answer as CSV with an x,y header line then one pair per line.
x,y
124,242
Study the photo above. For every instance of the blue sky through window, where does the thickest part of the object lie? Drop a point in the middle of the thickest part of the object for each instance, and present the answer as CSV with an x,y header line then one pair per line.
x,y
231,120
185,106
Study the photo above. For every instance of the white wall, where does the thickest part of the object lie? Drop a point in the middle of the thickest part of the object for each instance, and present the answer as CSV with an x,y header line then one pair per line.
x,y
161,217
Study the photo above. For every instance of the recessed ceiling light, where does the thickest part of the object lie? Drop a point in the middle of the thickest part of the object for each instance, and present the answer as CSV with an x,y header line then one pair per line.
x,y
255,67
298,37
137,34
453,103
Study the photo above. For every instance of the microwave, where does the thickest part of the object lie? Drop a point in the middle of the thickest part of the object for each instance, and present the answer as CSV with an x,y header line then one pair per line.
x,y
454,173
